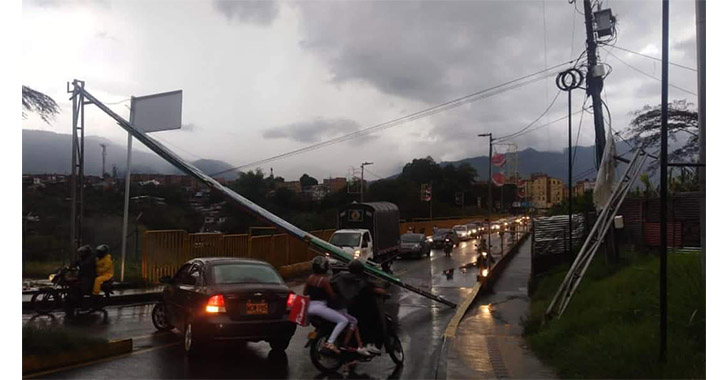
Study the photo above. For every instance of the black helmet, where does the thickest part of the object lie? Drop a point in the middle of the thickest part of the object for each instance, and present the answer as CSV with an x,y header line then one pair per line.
x,y
102,250
84,250
356,266
320,265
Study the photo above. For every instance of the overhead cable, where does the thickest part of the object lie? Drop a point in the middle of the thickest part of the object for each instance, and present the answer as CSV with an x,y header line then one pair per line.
x,y
648,75
653,58
492,91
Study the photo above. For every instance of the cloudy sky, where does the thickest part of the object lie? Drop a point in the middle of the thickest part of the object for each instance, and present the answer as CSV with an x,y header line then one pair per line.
x,y
265,78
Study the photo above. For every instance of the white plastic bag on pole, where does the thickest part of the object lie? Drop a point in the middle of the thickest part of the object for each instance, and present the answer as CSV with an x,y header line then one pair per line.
x,y
606,178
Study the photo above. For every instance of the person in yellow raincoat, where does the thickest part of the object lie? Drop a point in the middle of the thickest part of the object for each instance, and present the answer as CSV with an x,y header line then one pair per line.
x,y
104,267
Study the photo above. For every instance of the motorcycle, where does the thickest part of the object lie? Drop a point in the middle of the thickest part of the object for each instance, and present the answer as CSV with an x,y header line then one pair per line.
x,y
64,281
332,362
447,247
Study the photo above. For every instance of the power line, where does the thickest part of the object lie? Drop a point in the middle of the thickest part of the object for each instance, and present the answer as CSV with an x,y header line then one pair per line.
x,y
498,89
372,173
654,58
655,78
533,122
578,132
119,102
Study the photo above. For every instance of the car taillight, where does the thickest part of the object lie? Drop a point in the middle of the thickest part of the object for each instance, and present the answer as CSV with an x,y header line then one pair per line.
x,y
216,304
289,301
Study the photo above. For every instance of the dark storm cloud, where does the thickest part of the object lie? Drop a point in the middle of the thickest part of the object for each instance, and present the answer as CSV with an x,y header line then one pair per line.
x,y
436,51
261,12
313,131
427,51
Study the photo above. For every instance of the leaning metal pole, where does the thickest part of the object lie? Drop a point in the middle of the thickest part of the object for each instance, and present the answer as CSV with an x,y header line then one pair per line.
x,y
243,203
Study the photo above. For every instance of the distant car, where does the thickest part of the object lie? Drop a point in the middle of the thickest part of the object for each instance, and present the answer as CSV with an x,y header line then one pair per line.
x,y
473,230
480,226
226,299
462,231
437,240
414,245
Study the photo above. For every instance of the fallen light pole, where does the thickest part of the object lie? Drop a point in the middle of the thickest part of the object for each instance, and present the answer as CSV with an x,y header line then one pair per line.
x,y
319,245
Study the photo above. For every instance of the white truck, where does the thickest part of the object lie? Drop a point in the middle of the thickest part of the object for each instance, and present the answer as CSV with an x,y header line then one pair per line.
x,y
368,231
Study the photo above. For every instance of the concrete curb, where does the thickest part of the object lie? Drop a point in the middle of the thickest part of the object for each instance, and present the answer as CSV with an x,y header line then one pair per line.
x,y
34,364
449,334
117,300
498,268
452,326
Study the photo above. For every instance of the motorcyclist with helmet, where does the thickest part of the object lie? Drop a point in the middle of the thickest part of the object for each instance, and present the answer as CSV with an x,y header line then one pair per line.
x,y
360,293
320,292
86,264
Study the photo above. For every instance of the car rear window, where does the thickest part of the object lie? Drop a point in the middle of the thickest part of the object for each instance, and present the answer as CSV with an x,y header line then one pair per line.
x,y
245,273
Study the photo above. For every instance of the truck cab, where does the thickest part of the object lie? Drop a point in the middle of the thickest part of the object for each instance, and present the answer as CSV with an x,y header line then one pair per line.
x,y
356,242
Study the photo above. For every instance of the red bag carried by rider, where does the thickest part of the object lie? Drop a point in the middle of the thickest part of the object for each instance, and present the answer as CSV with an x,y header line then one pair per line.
x,y
299,310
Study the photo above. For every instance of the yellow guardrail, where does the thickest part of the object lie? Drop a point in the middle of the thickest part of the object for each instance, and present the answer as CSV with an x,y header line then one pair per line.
x,y
164,251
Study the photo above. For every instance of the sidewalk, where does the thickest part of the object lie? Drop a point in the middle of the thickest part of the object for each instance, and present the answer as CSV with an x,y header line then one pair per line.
x,y
488,342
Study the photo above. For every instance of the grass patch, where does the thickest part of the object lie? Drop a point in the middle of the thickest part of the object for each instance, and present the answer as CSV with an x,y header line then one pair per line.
x,y
40,269
41,340
611,327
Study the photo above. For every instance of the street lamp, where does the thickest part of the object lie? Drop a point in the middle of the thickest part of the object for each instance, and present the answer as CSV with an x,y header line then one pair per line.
x,y
361,183
490,188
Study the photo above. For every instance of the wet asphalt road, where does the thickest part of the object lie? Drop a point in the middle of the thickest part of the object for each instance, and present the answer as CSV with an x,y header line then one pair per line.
x,y
160,355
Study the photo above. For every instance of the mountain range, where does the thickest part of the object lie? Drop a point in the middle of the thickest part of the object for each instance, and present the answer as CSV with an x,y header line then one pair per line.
x,y
49,152
554,164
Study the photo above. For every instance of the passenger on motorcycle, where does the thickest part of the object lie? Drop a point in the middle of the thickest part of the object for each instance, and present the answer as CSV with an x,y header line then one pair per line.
x,y
364,305
319,290
104,270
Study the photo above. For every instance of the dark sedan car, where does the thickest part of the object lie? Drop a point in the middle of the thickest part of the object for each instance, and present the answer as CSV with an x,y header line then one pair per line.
x,y
438,239
414,245
224,299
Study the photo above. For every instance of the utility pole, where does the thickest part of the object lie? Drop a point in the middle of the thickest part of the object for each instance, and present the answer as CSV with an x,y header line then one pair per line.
x,y
77,162
663,180
361,182
594,81
700,42
103,160
490,183
594,84
567,81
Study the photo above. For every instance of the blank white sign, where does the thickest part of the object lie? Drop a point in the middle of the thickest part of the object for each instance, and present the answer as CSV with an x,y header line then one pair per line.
x,y
157,112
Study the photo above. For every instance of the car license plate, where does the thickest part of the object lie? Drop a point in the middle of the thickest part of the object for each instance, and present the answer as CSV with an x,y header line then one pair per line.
x,y
256,307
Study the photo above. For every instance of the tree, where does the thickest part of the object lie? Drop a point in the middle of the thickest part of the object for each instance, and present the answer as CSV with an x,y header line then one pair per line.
x,y
40,103
644,129
307,181
421,170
